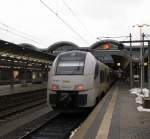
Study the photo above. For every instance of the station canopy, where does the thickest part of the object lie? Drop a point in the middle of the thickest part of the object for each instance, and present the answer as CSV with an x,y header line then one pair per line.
x,y
23,53
111,52
61,46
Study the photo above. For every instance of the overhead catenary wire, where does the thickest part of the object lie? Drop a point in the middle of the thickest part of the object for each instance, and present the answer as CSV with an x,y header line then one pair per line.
x,y
77,18
60,18
23,35
11,32
108,37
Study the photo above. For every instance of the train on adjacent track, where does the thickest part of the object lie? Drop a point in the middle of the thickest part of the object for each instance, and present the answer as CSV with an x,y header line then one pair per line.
x,y
77,80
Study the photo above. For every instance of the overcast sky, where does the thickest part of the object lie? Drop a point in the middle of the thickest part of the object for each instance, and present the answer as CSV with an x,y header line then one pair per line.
x,y
99,18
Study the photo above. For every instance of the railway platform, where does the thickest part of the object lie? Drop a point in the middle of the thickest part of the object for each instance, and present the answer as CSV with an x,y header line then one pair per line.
x,y
116,117
19,88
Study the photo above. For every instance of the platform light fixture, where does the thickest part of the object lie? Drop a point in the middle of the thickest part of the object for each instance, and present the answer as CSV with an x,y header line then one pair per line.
x,y
4,55
118,64
145,64
18,57
12,56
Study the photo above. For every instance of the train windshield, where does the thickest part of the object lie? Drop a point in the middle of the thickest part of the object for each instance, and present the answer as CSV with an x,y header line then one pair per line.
x,y
71,64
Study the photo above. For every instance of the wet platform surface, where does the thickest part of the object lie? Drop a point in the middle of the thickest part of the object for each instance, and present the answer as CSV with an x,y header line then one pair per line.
x,y
19,88
116,117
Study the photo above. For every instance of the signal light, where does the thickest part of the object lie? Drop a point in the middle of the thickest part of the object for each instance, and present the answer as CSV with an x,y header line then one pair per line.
x,y
106,46
80,87
54,87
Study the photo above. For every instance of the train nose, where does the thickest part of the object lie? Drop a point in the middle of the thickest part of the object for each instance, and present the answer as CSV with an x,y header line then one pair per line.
x,y
64,100
64,97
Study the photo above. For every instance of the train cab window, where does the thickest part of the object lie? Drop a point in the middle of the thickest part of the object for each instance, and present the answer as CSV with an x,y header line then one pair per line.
x,y
70,68
96,71
71,64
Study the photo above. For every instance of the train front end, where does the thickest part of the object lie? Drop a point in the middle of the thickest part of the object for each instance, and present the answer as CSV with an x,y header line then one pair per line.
x,y
70,83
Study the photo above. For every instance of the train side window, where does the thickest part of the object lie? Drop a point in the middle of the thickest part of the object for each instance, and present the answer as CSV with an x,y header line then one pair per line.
x,y
108,76
96,71
105,74
102,76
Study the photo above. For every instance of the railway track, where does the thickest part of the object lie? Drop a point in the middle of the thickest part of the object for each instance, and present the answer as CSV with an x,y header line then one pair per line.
x,y
21,111
51,125
19,104
28,127
60,127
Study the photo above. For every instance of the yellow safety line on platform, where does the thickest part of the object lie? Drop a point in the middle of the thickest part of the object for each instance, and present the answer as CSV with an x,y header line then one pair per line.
x,y
106,122
88,122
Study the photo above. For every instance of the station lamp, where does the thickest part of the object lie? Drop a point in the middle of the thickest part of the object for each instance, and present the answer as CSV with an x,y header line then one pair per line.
x,y
118,64
4,55
12,56
145,64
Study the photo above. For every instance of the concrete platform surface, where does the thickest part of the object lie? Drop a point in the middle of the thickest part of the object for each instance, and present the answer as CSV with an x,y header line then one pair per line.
x,y
116,117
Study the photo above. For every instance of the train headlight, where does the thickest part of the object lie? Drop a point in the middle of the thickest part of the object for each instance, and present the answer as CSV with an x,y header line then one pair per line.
x,y
54,87
80,87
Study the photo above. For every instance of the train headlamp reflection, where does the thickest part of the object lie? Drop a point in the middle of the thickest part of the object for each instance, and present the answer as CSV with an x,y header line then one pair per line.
x,y
79,87
54,87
